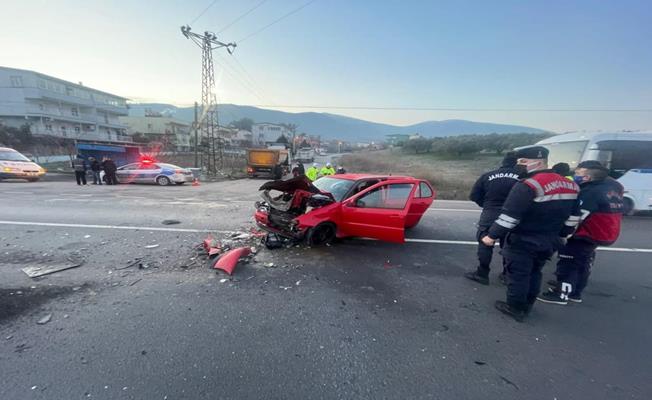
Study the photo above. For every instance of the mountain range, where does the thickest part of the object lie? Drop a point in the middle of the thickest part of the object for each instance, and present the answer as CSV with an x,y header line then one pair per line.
x,y
333,126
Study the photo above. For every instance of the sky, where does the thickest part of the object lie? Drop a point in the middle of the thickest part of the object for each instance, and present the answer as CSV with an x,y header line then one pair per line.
x,y
502,57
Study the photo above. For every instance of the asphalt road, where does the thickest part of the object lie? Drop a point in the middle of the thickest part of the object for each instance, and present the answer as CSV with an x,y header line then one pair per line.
x,y
359,319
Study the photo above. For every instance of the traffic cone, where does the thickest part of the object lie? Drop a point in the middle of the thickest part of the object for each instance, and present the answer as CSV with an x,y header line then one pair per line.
x,y
195,182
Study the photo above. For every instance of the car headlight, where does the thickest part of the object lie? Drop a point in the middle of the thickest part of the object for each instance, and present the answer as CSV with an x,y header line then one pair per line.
x,y
10,169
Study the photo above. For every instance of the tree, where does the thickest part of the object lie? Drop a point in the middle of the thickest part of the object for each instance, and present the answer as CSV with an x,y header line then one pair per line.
x,y
244,124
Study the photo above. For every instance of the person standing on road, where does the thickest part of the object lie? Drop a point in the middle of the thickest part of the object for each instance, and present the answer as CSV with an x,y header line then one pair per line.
x,y
301,170
601,207
95,169
80,167
327,170
539,210
490,192
109,171
312,172
340,170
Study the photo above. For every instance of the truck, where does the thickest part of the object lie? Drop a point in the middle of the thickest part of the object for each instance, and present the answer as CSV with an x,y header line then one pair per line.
x,y
120,154
305,155
271,162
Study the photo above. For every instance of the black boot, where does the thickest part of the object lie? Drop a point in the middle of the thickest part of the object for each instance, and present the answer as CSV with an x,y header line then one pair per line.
x,y
477,277
516,313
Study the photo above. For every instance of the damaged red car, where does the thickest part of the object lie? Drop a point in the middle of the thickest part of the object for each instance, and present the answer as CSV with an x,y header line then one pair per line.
x,y
347,205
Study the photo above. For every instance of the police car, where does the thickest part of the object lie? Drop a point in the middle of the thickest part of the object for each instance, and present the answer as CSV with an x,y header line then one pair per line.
x,y
14,165
148,171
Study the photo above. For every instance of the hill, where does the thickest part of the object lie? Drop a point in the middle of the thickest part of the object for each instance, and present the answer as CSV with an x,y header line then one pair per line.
x,y
333,126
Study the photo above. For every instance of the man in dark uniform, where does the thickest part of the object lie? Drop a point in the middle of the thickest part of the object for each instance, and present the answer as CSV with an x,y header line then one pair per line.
x,y
601,207
490,192
109,170
538,210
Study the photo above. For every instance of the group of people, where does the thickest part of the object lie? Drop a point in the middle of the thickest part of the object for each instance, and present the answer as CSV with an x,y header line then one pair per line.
x,y
81,167
314,172
532,212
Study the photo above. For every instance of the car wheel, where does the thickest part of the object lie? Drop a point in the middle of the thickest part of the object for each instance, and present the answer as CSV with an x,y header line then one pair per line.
x,y
321,234
163,181
628,206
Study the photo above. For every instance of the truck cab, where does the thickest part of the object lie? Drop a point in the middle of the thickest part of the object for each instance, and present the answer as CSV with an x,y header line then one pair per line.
x,y
270,162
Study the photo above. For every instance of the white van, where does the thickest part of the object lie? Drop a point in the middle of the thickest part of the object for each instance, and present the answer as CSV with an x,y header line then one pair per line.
x,y
14,165
628,155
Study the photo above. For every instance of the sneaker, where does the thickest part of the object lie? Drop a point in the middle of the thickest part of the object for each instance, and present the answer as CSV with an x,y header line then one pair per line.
x,y
503,307
575,298
552,298
474,276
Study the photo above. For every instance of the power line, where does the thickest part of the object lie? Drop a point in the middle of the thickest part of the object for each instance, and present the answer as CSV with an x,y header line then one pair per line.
x,y
377,108
232,73
242,16
277,20
202,13
251,79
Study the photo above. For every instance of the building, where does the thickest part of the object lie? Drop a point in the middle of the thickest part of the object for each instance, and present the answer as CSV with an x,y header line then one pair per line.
x,y
54,107
172,133
266,133
397,139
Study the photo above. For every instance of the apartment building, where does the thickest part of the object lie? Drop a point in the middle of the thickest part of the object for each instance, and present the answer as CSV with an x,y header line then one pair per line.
x,y
173,133
60,108
266,133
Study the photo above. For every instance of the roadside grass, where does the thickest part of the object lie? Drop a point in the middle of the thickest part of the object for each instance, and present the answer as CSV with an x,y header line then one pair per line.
x,y
452,177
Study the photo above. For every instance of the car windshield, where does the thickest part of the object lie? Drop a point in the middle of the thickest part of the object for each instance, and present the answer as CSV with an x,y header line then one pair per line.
x,y
568,152
12,156
337,187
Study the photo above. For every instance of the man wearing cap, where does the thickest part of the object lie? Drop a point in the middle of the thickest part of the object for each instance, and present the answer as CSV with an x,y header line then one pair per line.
x,y
490,192
601,207
538,210
312,172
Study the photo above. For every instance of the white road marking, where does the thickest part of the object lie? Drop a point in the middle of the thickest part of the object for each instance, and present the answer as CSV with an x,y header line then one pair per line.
x,y
122,227
151,228
452,209
8,192
472,243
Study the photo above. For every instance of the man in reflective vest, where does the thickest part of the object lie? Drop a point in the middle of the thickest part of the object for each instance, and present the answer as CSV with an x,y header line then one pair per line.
x,y
538,211
327,170
312,172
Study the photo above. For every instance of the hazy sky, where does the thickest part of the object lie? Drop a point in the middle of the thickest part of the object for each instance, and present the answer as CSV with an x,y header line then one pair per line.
x,y
428,54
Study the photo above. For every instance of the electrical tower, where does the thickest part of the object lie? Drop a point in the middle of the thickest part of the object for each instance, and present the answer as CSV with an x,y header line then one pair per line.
x,y
212,143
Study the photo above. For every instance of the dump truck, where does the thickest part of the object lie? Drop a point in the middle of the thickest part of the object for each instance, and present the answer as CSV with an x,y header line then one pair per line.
x,y
272,162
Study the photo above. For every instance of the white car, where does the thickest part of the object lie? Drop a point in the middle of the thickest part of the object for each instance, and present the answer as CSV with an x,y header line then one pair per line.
x,y
153,172
638,190
14,165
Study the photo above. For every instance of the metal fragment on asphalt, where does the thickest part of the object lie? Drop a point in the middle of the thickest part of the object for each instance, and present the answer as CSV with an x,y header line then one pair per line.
x,y
152,246
170,222
34,272
44,320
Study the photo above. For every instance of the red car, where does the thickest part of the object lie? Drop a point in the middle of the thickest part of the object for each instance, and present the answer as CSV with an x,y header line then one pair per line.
x,y
372,206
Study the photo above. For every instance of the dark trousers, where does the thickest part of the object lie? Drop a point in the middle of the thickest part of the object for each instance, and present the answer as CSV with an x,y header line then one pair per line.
x,y
96,178
81,177
110,178
574,266
485,253
525,257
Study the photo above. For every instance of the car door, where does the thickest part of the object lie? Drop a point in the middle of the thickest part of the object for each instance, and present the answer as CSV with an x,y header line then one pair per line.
x,y
423,198
127,173
149,172
378,212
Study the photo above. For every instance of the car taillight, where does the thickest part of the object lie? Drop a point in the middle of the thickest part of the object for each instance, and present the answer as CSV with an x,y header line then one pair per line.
x,y
249,169
178,171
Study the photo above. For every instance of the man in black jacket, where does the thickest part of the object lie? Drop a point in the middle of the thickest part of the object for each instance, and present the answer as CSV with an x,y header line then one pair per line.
x,y
490,192
109,170
95,169
601,207
539,209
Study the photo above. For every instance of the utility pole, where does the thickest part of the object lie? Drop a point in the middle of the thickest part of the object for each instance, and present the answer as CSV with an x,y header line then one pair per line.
x,y
212,158
196,126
